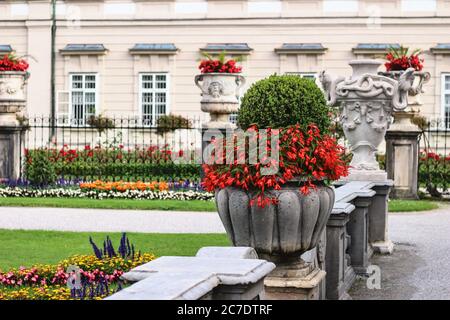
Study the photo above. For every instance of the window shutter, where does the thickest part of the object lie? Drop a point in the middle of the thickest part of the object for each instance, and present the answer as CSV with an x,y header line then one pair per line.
x,y
63,107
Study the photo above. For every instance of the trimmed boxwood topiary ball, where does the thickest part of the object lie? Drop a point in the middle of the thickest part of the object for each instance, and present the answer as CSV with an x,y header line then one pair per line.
x,y
280,101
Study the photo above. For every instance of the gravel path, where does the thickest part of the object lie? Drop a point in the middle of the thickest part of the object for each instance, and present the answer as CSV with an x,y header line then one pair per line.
x,y
419,268
63,219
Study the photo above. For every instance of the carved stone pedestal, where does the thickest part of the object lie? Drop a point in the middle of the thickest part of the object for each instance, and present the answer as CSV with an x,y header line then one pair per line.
x,y
294,281
402,154
11,133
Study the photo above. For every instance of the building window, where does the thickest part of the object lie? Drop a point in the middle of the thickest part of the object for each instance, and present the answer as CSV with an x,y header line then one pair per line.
x,y
153,97
446,99
84,97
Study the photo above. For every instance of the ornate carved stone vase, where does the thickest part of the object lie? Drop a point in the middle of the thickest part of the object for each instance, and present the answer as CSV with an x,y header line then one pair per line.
x,y
220,96
367,101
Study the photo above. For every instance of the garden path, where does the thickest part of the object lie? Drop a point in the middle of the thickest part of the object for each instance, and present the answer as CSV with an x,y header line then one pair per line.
x,y
65,219
419,268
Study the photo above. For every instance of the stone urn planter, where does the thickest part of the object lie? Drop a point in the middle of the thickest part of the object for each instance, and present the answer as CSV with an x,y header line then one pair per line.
x,y
220,96
367,101
12,86
12,96
420,78
281,232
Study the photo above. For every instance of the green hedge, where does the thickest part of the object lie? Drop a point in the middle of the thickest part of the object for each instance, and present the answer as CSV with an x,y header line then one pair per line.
x,y
281,101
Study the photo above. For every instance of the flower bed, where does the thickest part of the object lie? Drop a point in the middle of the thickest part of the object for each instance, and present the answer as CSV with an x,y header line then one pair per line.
x,y
105,194
434,173
124,186
98,275
43,166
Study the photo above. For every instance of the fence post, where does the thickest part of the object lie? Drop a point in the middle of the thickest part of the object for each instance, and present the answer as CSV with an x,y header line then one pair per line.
x,y
12,104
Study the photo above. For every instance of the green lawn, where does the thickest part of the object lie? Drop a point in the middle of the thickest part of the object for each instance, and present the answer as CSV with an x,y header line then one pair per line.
x,y
25,248
171,205
411,205
174,205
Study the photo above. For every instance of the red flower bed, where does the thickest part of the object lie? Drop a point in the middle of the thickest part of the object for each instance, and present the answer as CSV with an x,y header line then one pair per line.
x,y
12,63
303,154
400,59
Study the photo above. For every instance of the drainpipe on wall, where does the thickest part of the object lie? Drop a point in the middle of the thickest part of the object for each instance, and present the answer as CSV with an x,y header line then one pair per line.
x,y
53,61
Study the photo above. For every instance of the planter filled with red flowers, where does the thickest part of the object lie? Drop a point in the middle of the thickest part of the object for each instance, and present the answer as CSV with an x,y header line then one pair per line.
x,y
280,203
220,81
398,61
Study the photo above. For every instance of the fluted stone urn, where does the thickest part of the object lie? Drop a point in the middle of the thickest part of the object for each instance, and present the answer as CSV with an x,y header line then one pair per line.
x,y
220,96
281,232
367,101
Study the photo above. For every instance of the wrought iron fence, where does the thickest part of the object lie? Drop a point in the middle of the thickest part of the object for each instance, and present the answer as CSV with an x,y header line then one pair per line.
x,y
434,158
113,149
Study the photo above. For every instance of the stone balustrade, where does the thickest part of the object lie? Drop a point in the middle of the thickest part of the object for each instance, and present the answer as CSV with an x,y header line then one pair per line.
x,y
354,231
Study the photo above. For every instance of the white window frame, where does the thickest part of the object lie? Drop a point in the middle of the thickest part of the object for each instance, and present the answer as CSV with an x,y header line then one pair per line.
x,y
84,90
443,93
307,75
154,90
303,74
63,118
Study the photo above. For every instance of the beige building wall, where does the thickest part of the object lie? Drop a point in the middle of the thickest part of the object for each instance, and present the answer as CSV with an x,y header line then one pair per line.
x,y
338,25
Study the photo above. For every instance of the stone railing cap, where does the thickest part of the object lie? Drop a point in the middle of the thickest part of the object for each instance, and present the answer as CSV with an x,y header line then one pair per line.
x,y
229,271
191,285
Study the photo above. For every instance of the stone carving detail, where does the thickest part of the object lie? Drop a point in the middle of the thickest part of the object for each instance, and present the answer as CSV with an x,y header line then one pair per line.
x,y
375,114
5,89
219,87
12,86
215,89
367,101
417,86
